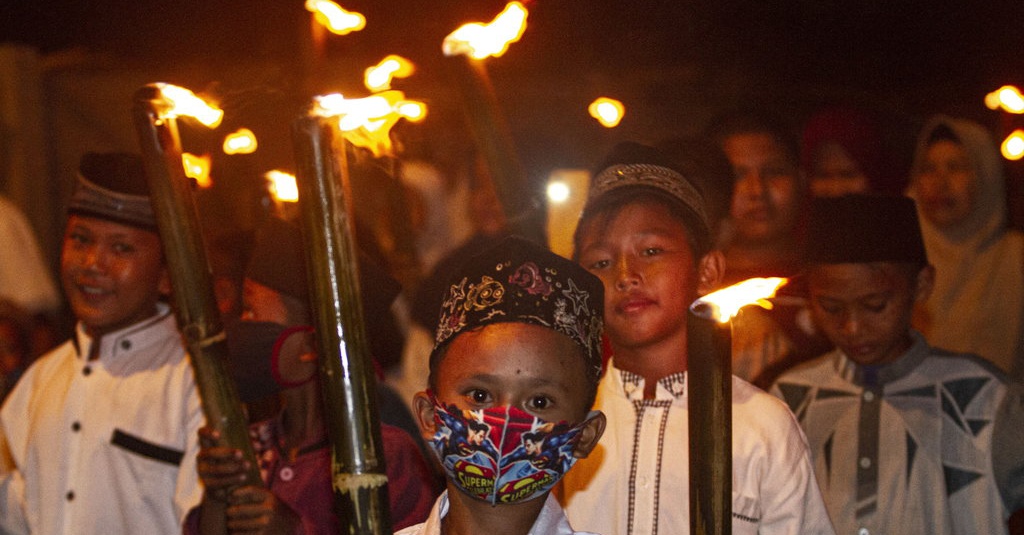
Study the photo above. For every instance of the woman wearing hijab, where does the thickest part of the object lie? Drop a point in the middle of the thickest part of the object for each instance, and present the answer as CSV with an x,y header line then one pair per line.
x,y
978,302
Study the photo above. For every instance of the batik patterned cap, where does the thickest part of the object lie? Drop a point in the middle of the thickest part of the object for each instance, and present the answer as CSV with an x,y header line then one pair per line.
x,y
113,186
518,281
631,164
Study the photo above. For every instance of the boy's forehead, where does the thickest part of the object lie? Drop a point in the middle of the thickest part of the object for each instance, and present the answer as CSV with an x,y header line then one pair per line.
x,y
858,278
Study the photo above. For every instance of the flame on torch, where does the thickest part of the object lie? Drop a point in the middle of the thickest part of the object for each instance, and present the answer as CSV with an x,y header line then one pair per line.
x,y
335,18
1013,146
607,111
479,41
241,141
378,77
282,186
185,103
365,122
724,304
197,167
1007,97
413,110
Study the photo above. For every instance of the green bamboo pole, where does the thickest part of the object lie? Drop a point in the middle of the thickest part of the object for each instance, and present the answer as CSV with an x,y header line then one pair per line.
x,y
495,143
348,385
195,305
709,401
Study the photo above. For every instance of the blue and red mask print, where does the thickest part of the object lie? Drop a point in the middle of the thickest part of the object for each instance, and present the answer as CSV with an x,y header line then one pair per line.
x,y
502,454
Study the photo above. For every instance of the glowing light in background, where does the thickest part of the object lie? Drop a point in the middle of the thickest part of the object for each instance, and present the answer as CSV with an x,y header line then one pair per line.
x,y
282,186
607,111
185,103
241,141
479,41
1013,146
335,18
558,191
1007,97
197,167
378,77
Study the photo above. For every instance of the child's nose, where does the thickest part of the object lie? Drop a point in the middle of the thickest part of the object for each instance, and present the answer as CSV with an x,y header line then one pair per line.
x,y
626,275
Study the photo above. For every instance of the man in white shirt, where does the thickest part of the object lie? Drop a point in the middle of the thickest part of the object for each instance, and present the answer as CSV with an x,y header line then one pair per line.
x,y
99,434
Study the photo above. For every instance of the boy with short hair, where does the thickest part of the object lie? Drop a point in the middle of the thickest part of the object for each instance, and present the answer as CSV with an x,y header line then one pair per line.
x,y
101,430
644,232
512,378
906,438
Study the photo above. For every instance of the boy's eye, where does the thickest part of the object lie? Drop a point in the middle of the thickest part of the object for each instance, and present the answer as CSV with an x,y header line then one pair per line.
x,y
652,251
538,403
875,306
479,396
78,238
122,248
598,264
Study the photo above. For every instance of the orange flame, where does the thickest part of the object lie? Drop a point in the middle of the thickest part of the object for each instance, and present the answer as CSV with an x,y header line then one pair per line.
x,y
1013,146
724,304
335,18
607,111
479,40
365,122
282,186
185,103
241,141
1007,97
197,167
413,110
378,77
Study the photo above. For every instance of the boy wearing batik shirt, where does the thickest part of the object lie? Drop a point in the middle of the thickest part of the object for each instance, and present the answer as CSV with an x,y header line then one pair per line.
x,y
645,234
512,377
906,438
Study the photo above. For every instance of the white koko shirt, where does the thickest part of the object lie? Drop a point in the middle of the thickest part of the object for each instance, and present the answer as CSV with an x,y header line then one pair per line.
x,y
103,446
636,482
551,520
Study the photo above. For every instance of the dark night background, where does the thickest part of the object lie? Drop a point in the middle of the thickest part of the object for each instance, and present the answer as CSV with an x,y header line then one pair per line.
x,y
675,64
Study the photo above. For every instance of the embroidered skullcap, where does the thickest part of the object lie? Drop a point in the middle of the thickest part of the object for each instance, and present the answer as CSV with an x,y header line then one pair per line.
x,y
856,229
634,165
519,281
113,186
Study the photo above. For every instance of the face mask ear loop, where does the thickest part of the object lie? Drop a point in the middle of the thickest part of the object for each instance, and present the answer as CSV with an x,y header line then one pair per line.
x,y
501,453
275,357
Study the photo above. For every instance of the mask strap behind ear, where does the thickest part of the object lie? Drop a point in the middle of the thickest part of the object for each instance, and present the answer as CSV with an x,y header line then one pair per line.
x,y
275,356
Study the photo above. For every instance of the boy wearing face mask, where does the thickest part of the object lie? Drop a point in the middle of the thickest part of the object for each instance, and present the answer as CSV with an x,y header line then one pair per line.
x,y
512,377
272,352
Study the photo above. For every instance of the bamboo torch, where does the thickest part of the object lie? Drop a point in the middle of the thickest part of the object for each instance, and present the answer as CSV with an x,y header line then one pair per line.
x,y
154,113
467,47
709,398
358,472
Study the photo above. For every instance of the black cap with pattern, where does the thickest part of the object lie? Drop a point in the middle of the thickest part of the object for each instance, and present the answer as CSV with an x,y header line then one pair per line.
x,y
519,281
631,165
858,229
113,186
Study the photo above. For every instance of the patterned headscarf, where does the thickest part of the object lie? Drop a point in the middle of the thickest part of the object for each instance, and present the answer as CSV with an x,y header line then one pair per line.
x,y
519,281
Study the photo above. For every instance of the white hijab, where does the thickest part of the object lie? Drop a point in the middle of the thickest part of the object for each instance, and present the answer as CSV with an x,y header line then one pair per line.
x,y
977,305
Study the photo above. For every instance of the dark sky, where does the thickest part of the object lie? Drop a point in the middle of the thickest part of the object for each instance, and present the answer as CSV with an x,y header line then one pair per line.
x,y
669,57
838,41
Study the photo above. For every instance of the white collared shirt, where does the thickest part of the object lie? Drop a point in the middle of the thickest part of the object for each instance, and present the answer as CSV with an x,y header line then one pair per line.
x,y
551,520
107,445
636,482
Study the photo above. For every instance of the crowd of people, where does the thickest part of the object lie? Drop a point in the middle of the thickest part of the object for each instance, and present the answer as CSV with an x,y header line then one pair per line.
x,y
521,392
